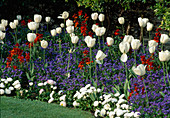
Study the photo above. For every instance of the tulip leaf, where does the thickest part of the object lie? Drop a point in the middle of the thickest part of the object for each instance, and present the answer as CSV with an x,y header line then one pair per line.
x,y
28,76
45,66
162,93
126,87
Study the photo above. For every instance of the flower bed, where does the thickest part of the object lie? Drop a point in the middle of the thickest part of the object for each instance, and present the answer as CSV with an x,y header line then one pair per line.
x,y
76,67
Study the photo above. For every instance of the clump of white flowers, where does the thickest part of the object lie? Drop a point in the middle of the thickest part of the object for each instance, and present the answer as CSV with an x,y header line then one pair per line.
x,y
7,86
104,105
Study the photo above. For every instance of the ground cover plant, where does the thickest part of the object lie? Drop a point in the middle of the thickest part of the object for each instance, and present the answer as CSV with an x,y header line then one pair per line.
x,y
75,65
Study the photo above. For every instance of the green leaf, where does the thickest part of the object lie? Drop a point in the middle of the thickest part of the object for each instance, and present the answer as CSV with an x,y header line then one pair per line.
x,y
162,93
28,76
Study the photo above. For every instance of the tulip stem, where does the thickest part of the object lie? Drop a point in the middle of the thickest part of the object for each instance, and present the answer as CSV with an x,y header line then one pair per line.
x,y
75,54
99,41
47,27
123,29
126,70
90,62
68,62
96,71
135,57
44,56
60,47
166,63
142,39
15,36
147,100
149,36
164,72
162,47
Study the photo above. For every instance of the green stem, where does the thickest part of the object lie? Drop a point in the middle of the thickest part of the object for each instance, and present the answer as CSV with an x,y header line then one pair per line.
x,y
99,41
96,71
44,56
75,53
68,62
123,28
142,39
167,72
147,100
162,47
15,36
126,71
47,27
90,62
149,36
135,57
60,46
164,73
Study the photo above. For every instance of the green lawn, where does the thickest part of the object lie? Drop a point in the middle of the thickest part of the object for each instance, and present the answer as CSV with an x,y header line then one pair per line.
x,y
19,108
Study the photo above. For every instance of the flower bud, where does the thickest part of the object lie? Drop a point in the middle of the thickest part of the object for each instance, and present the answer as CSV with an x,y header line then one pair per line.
x,y
44,44
121,20
101,17
47,19
94,16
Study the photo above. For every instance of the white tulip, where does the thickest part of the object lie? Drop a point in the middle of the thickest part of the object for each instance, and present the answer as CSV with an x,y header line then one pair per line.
x,y
164,55
128,38
102,112
139,70
111,114
74,39
40,84
37,25
50,100
94,27
2,91
63,103
62,25
32,25
19,17
2,27
69,22
100,31
64,15
2,35
9,79
2,85
37,18
58,30
7,91
96,103
94,16
124,57
90,41
100,55
70,29
47,19
152,43
75,103
4,22
142,21
101,17
31,37
135,44
152,49
31,83
149,26
124,47
12,25
44,44
16,22
110,41
53,32
121,20
164,38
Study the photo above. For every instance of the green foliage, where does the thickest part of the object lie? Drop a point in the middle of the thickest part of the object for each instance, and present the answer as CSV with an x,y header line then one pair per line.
x,y
162,10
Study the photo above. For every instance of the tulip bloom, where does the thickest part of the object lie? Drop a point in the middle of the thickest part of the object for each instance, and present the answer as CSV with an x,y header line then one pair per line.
x,y
31,37
100,55
37,18
16,22
152,49
124,57
44,44
101,17
64,15
53,32
149,26
90,41
142,21
32,25
164,55
152,43
100,31
4,22
135,44
2,35
47,19
19,17
110,41
139,70
124,47
164,38
94,27
121,20
58,30
70,29
94,16
69,22
62,25
128,38
74,39
12,25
